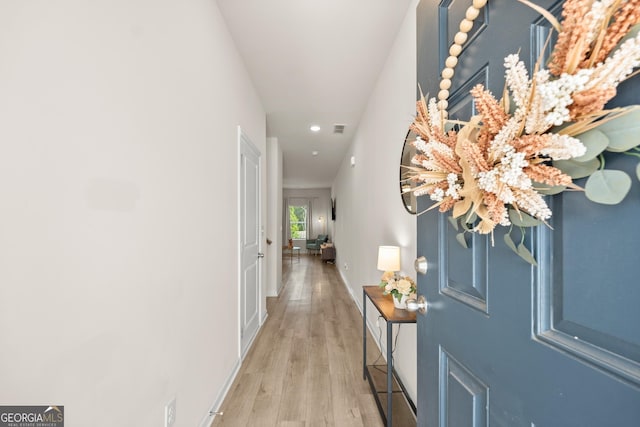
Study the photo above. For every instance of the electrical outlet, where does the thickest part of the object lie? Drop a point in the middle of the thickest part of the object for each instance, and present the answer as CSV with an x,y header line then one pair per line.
x,y
170,413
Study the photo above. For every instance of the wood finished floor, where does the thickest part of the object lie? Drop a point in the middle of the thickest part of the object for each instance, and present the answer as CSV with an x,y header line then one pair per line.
x,y
305,366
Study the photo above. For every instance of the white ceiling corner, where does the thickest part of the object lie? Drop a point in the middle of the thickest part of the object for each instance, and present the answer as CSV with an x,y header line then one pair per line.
x,y
313,62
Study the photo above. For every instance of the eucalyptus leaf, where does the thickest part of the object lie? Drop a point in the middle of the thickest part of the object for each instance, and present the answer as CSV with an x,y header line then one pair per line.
x,y
467,226
509,242
638,171
460,238
608,187
449,126
511,104
577,169
522,219
622,131
454,222
526,255
548,190
472,218
595,141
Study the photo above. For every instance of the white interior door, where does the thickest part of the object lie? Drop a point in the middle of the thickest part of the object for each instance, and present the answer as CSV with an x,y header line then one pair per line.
x,y
250,256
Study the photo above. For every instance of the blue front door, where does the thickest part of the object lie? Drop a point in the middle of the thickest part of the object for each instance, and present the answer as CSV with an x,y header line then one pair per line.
x,y
506,343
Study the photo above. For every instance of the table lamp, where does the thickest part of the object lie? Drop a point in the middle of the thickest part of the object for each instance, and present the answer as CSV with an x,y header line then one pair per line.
x,y
389,258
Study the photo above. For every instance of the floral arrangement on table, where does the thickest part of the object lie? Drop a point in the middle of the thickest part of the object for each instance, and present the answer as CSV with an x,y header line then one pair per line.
x,y
397,286
545,131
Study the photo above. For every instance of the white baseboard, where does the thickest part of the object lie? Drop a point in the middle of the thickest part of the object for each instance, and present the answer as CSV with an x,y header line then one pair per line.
x,y
210,416
345,281
253,338
372,328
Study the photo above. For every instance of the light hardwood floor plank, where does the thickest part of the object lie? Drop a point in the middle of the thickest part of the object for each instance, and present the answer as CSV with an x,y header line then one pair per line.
x,y
247,385
305,366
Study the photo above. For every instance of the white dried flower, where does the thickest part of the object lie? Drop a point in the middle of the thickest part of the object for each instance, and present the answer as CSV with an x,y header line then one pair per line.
x,y
554,96
535,121
454,187
420,143
517,79
506,195
563,147
428,148
429,165
593,19
441,148
488,181
434,112
427,179
510,169
504,219
502,139
437,195
617,67
532,202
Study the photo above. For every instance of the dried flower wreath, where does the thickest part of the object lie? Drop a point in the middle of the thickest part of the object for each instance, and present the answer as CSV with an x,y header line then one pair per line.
x,y
496,168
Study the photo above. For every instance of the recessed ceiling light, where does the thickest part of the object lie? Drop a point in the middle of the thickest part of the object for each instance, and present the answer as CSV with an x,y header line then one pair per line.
x,y
315,128
314,153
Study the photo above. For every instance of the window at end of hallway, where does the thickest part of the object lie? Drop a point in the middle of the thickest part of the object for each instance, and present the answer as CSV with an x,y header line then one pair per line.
x,y
298,221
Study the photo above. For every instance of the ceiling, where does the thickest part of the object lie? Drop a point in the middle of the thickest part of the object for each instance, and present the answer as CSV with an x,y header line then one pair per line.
x,y
313,62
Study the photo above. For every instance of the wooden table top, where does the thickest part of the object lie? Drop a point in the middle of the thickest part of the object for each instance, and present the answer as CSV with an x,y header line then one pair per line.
x,y
385,306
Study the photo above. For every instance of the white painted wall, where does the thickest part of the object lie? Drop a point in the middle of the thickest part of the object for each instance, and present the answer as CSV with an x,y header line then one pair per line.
x,y
273,252
369,208
118,214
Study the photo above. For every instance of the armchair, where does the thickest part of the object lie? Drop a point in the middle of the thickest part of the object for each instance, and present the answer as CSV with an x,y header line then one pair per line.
x,y
313,245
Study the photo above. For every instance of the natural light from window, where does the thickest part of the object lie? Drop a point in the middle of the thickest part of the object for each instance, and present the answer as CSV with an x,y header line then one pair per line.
x,y
298,221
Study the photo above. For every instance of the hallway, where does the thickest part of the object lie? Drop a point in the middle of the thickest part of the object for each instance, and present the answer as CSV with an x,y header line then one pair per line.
x,y
305,367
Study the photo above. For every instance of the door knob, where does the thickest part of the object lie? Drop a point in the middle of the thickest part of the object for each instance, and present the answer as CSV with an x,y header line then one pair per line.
x,y
420,305
260,255
420,265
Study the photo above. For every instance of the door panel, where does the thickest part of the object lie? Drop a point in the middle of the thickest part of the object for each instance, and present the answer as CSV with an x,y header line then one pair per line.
x,y
463,396
465,273
587,293
505,343
249,241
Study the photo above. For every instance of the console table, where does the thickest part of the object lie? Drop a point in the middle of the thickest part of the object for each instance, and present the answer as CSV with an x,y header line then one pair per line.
x,y
394,404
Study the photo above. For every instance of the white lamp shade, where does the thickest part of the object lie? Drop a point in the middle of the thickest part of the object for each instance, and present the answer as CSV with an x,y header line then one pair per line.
x,y
389,258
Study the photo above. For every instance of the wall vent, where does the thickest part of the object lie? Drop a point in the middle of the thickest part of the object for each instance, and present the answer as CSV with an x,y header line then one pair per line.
x,y
338,128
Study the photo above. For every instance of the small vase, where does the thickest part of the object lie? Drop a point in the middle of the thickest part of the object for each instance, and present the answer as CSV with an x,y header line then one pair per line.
x,y
402,304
